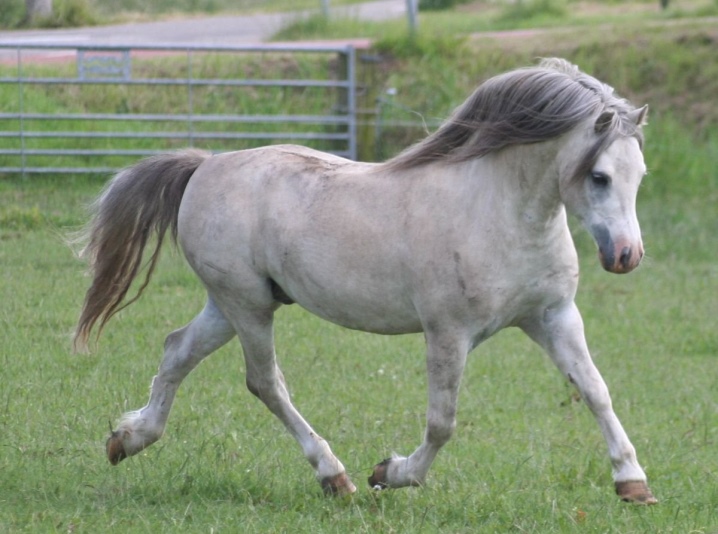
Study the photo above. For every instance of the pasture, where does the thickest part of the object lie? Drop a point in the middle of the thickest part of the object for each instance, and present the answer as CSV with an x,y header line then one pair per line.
x,y
526,455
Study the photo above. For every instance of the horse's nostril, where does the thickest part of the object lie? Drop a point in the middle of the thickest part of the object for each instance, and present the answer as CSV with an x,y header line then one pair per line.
x,y
625,258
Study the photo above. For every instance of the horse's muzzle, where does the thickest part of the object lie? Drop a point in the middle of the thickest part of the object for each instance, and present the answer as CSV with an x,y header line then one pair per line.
x,y
620,257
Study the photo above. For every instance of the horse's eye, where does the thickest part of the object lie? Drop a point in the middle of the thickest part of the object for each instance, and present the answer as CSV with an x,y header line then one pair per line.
x,y
600,179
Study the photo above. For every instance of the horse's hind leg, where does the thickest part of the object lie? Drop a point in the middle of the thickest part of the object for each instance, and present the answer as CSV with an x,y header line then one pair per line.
x,y
560,333
265,381
184,349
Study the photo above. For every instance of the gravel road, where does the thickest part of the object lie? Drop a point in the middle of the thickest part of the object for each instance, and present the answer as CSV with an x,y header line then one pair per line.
x,y
219,30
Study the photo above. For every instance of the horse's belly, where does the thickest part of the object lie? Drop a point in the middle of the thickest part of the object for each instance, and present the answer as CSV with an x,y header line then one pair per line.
x,y
357,314
370,299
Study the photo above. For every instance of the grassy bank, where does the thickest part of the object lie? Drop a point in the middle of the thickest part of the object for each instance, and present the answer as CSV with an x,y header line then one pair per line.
x,y
526,457
488,16
670,67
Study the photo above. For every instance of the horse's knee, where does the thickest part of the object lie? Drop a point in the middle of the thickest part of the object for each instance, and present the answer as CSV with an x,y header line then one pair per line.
x,y
440,430
598,399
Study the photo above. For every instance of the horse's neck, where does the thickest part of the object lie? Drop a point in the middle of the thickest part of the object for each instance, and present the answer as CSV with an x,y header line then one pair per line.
x,y
525,178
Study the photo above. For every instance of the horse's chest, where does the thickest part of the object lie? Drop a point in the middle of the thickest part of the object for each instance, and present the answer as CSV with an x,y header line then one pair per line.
x,y
506,291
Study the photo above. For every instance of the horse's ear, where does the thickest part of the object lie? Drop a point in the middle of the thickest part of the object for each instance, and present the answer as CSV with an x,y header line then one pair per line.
x,y
603,121
639,116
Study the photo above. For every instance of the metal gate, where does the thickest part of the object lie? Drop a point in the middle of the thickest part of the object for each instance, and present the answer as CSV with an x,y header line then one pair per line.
x,y
88,109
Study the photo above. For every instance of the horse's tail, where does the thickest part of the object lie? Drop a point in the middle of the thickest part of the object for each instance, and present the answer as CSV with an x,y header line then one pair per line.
x,y
140,200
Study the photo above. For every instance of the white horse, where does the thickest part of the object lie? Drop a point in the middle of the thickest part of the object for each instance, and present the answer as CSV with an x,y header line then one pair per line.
x,y
459,236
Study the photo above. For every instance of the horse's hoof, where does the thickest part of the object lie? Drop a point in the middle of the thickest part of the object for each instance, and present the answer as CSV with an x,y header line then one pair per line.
x,y
338,485
635,491
377,480
115,450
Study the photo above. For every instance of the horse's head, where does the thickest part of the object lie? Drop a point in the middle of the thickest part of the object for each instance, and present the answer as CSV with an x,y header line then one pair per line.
x,y
602,194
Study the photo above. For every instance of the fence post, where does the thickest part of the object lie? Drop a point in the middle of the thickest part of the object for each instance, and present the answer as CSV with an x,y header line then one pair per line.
x,y
21,104
367,99
412,6
352,95
347,97
190,100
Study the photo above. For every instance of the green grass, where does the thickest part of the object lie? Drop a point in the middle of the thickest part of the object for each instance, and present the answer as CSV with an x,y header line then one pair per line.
x,y
525,456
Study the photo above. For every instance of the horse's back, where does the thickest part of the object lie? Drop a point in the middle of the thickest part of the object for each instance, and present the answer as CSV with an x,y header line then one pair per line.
x,y
313,225
365,248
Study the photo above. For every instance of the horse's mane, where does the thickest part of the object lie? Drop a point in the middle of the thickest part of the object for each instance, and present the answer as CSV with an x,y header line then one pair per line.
x,y
523,106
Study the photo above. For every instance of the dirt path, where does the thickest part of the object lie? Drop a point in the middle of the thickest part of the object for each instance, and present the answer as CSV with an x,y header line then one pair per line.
x,y
219,30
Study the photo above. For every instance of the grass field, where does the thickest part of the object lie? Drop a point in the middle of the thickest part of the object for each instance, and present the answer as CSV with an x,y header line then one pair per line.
x,y
526,457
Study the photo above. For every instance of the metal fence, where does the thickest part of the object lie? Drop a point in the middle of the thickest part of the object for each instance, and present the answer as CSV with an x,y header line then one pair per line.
x,y
78,109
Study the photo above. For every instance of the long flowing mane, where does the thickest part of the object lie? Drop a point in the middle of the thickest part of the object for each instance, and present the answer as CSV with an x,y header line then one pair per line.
x,y
527,105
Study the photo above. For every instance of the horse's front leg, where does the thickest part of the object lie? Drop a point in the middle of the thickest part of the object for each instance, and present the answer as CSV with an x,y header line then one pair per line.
x,y
446,357
560,332
184,349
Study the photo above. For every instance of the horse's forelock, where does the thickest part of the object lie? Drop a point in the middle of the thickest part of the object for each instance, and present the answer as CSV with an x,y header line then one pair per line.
x,y
621,126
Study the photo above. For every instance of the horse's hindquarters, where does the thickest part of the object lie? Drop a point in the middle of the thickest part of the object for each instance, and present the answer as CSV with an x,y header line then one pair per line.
x,y
262,234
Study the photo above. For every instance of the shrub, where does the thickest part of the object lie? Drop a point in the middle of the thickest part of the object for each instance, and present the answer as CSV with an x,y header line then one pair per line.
x,y
11,14
524,10
70,14
406,46
435,5
65,14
